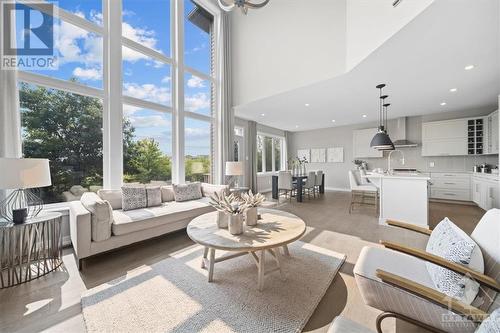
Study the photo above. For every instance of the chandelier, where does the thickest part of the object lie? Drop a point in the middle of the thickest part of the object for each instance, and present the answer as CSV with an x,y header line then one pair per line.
x,y
229,5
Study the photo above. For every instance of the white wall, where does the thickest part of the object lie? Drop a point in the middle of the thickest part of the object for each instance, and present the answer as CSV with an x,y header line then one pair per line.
x,y
369,23
286,45
336,173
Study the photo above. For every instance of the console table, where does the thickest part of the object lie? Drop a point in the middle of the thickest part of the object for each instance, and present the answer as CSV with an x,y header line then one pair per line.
x,y
29,250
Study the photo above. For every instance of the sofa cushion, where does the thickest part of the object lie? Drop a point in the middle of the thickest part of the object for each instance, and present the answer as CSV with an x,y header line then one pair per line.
x,y
209,189
185,192
125,222
134,197
167,193
153,195
78,190
101,215
450,242
114,197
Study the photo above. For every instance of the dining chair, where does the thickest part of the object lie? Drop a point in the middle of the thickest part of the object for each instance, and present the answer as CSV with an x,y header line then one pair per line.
x,y
285,184
319,180
310,184
360,193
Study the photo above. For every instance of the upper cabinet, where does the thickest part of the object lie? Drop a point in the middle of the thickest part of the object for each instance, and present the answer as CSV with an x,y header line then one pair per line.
x,y
467,136
442,138
361,143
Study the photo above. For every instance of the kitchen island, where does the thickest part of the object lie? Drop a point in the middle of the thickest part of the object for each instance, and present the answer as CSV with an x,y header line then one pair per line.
x,y
403,197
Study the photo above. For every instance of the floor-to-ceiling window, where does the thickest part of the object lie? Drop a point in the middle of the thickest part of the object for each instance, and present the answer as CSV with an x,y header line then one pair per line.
x,y
66,112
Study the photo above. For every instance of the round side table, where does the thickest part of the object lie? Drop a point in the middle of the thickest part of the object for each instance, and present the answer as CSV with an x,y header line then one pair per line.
x,y
29,250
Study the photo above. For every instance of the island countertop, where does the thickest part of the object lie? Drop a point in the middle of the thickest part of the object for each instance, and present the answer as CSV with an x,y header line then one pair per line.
x,y
406,176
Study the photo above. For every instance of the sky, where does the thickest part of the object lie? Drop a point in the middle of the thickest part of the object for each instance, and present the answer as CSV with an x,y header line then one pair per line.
x,y
148,23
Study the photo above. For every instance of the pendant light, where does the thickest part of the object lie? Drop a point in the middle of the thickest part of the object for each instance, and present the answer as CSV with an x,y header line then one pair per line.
x,y
384,113
381,140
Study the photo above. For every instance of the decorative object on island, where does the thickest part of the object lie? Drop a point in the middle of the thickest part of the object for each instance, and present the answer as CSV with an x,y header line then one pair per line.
x,y
381,140
252,202
360,164
229,5
21,175
233,171
233,207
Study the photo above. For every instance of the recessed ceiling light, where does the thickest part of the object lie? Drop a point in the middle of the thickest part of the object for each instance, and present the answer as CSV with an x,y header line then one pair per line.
x,y
453,90
307,104
364,116
469,67
262,114
296,126
443,103
333,120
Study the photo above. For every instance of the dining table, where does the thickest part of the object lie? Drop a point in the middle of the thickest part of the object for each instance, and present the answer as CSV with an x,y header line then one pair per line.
x,y
299,179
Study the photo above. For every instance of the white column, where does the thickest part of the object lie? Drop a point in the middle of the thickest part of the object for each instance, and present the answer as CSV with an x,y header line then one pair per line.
x,y
112,103
177,45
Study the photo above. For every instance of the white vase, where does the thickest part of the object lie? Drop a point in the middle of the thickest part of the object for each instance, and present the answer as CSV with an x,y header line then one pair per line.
x,y
251,216
222,220
235,224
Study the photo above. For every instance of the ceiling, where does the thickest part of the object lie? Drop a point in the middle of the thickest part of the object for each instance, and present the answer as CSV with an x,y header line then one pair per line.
x,y
419,64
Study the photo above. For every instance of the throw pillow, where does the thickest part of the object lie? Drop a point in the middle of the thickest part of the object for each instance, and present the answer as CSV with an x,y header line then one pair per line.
x,y
134,197
167,193
153,195
185,192
101,216
113,196
491,324
451,243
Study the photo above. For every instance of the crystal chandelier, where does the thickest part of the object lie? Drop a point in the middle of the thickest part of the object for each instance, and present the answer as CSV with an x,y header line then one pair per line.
x,y
229,5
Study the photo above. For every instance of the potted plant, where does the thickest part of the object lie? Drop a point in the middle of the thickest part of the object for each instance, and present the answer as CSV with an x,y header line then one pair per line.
x,y
233,208
359,163
252,202
217,201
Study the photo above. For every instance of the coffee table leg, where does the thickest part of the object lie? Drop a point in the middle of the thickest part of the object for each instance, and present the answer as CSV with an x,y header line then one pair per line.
x,y
277,255
261,269
285,250
211,265
205,254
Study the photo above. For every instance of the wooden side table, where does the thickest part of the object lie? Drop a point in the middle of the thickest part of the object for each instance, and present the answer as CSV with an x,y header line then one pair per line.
x,y
30,250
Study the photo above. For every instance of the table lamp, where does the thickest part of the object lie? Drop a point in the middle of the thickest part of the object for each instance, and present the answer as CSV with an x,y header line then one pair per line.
x,y
233,170
21,175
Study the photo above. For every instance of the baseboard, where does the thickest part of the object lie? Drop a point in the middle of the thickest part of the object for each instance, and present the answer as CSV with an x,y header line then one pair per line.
x,y
337,189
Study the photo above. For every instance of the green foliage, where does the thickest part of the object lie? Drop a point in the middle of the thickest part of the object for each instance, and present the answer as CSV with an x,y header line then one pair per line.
x,y
147,162
193,171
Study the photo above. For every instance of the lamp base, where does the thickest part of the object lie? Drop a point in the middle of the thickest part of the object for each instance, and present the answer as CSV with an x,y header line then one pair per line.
x,y
20,199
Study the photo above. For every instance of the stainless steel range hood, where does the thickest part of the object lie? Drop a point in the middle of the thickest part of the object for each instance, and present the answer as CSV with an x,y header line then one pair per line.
x,y
399,136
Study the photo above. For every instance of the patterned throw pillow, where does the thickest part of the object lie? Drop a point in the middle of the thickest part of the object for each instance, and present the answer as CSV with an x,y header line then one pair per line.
x,y
447,242
134,197
185,192
491,324
153,195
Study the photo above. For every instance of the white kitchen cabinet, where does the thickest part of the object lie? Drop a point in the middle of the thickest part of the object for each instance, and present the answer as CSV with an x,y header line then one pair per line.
x,y
485,191
477,191
361,143
444,138
492,139
450,186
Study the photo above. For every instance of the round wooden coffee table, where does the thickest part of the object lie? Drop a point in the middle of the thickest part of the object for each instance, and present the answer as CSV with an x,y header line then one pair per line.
x,y
276,229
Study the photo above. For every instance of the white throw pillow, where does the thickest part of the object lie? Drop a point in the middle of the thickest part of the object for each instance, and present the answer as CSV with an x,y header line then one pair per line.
x,y
186,192
101,215
450,242
153,195
167,193
491,324
113,196
134,197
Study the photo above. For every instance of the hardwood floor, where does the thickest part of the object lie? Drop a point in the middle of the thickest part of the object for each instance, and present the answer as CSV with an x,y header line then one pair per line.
x,y
52,303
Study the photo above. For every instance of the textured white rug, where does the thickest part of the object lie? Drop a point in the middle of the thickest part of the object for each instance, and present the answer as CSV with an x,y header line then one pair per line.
x,y
174,295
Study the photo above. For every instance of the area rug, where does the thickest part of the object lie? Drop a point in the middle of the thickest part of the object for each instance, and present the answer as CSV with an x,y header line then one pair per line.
x,y
174,295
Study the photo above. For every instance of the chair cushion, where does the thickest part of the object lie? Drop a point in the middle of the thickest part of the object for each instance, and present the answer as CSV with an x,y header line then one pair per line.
x,y
125,222
491,324
185,192
114,197
343,325
373,258
450,242
153,195
101,216
134,197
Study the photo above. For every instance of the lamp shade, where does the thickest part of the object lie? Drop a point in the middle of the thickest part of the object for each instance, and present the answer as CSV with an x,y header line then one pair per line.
x,y
234,169
382,141
21,173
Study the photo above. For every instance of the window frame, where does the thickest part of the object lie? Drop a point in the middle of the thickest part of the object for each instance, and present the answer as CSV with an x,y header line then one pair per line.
x,y
112,87
273,157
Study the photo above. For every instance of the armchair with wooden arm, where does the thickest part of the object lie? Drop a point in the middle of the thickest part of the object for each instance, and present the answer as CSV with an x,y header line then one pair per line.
x,y
395,279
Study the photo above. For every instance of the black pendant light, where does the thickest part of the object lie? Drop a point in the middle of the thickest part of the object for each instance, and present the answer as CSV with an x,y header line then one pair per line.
x,y
381,140
384,115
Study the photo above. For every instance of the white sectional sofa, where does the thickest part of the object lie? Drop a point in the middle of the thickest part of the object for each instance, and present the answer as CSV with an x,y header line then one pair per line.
x,y
95,228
